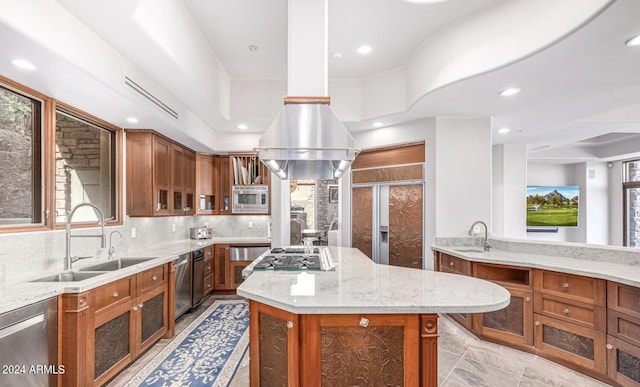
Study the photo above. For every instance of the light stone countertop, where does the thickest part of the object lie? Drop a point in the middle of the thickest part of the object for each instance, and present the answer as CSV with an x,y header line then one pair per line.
x,y
18,293
358,285
619,272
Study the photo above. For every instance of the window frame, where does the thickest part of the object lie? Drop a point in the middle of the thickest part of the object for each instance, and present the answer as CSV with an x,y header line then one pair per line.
x,y
46,147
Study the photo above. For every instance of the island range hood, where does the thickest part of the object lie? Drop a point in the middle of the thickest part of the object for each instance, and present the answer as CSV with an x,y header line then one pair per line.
x,y
306,140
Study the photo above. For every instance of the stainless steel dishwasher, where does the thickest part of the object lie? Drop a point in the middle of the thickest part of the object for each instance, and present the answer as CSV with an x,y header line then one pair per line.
x,y
183,285
29,345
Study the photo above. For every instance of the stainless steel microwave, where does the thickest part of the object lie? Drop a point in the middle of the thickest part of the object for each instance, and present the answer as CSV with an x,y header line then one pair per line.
x,y
250,199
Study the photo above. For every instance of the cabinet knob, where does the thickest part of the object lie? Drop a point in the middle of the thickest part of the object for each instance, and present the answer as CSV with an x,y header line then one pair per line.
x,y
116,294
527,299
451,263
609,346
155,277
565,285
208,285
290,324
536,323
364,322
141,305
135,307
566,311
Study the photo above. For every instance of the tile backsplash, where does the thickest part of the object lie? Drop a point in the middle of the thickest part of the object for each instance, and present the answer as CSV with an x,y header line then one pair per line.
x,y
30,252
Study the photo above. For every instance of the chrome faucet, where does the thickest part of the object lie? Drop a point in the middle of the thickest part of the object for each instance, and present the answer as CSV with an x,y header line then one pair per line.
x,y
67,256
111,248
485,243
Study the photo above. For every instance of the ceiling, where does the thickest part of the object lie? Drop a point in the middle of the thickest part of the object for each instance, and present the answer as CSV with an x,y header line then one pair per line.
x,y
580,83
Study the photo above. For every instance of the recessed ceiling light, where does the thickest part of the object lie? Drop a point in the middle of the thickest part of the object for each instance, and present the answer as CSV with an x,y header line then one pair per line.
x,y
253,47
132,120
377,124
633,42
504,130
509,91
243,126
23,64
364,49
336,55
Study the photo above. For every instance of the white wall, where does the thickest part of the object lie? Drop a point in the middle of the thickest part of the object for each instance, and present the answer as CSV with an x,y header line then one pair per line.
x,y
462,174
615,203
509,182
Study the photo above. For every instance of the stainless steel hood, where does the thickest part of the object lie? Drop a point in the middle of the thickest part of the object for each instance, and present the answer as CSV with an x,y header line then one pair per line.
x,y
306,140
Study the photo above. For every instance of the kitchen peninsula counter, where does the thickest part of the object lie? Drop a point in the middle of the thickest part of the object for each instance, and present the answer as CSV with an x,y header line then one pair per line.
x,y
361,324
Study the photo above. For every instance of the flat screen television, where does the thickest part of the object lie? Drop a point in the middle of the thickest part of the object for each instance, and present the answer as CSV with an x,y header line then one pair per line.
x,y
552,206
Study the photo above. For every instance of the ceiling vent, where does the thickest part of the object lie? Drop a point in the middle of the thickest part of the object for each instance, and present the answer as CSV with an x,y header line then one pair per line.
x,y
150,97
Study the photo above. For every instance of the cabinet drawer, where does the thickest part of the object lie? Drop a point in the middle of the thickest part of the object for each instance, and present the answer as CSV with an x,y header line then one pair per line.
x,y
208,266
624,327
208,252
451,264
113,293
151,278
208,283
572,287
623,362
624,298
567,342
588,315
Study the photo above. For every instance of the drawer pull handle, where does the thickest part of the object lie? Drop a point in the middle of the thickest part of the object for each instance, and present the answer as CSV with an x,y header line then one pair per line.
x,y
565,285
364,322
155,277
609,346
290,324
116,294
565,311
536,323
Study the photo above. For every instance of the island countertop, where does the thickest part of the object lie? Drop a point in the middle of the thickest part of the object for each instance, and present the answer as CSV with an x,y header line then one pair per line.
x,y
358,285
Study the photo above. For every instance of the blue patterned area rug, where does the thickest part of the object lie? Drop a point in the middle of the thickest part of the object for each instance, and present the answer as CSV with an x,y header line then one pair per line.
x,y
205,353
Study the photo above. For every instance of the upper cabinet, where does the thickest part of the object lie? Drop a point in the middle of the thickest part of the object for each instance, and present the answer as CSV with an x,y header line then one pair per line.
x,y
250,184
207,200
160,176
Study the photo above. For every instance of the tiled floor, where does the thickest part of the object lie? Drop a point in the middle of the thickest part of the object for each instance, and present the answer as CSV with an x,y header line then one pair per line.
x,y
463,360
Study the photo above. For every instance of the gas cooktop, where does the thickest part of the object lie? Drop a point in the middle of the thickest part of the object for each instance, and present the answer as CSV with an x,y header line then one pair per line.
x,y
289,262
292,250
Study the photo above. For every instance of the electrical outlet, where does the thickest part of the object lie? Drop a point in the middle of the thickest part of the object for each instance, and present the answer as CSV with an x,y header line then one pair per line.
x,y
134,232
250,225
206,224
173,227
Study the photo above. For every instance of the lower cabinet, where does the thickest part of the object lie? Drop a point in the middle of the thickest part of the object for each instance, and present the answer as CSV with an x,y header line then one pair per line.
x,y
113,325
585,323
571,343
221,268
208,269
235,269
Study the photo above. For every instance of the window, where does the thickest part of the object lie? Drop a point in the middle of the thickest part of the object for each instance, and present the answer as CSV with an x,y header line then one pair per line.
x,y
631,200
85,167
53,157
21,197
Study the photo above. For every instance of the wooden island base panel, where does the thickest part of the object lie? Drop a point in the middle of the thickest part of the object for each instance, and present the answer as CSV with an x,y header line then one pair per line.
x,y
364,324
342,350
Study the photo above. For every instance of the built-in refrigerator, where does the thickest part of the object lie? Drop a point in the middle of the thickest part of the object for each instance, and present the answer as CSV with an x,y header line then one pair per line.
x,y
387,222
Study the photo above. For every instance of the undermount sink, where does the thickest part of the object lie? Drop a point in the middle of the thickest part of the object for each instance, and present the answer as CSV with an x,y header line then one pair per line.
x,y
67,277
116,264
470,250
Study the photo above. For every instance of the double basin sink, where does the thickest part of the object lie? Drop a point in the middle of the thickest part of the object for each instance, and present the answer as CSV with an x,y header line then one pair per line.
x,y
94,270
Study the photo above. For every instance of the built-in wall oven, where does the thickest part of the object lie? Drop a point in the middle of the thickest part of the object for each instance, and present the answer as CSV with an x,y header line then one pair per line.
x,y
250,199
197,282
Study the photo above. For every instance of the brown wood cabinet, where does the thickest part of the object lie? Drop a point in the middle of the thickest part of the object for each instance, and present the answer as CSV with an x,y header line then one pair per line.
x,y
221,268
450,264
245,169
588,324
160,176
207,184
512,324
105,329
224,185
315,350
209,262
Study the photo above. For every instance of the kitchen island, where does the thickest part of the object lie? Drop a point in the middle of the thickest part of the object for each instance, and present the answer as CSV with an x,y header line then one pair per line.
x,y
360,324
